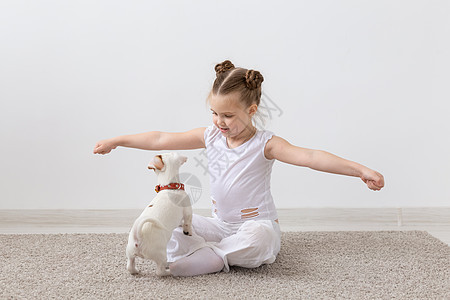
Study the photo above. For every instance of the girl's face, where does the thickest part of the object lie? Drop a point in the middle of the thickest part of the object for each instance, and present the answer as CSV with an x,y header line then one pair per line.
x,y
230,116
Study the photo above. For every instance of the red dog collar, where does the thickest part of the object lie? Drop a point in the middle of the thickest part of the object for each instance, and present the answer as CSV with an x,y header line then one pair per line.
x,y
170,186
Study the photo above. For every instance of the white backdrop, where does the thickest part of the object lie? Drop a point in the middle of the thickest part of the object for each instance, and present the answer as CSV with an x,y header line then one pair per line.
x,y
365,80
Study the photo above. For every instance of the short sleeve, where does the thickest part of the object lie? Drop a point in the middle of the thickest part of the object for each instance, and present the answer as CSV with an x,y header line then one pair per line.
x,y
265,137
210,133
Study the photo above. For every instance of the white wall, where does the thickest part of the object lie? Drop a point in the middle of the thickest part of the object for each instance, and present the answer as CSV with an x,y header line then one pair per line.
x,y
366,80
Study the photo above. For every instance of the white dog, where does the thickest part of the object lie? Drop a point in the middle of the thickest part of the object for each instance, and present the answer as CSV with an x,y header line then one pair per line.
x,y
153,228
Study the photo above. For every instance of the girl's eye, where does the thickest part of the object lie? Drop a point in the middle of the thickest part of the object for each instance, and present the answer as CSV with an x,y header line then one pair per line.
x,y
226,116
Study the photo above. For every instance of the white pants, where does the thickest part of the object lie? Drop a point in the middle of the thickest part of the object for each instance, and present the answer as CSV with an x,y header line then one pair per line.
x,y
249,244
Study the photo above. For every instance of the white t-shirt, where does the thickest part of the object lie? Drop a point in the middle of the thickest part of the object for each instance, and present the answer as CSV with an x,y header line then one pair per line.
x,y
240,178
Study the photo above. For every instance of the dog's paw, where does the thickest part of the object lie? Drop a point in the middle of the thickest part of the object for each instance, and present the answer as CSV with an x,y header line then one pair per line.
x,y
132,269
187,233
133,272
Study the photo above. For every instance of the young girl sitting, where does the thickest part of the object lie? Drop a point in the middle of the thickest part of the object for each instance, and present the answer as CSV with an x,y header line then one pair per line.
x,y
243,230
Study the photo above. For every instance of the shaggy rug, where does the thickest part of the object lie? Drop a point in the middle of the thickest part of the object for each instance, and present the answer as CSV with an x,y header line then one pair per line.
x,y
311,265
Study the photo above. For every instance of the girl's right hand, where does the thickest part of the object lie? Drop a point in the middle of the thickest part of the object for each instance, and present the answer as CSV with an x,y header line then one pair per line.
x,y
104,147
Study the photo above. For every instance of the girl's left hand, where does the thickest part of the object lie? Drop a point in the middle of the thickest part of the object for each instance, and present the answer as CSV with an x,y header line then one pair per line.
x,y
373,179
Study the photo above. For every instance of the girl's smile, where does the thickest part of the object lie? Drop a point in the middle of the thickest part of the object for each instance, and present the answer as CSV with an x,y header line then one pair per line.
x,y
233,120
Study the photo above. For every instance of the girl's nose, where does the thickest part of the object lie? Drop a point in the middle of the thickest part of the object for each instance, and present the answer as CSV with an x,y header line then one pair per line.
x,y
221,122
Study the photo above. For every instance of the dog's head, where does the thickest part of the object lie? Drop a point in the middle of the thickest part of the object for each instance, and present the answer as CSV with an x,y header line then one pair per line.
x,y
167,162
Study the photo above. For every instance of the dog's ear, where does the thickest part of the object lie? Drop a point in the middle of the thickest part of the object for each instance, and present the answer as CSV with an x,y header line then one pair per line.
x,y
182,159
157,163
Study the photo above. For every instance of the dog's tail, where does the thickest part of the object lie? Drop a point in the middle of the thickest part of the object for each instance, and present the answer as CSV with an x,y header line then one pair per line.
x,y
140,224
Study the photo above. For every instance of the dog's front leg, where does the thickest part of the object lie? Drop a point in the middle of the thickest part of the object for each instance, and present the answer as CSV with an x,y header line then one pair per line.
x,y
187,220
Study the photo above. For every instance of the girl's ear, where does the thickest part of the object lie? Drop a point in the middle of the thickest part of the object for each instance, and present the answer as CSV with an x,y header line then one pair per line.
x,y
252,109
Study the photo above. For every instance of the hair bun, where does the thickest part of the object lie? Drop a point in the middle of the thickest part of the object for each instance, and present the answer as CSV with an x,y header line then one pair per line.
x,y
223,67
253,79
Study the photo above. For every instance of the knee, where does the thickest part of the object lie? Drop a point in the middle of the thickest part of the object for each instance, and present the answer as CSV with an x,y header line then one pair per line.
x,y
262,237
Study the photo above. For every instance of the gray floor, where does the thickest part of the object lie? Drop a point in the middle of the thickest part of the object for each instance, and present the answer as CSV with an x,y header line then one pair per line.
x,y
436,221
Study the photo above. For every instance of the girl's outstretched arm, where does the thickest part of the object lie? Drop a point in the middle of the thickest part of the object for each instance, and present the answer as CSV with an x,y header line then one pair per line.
x,y
155,140
280,149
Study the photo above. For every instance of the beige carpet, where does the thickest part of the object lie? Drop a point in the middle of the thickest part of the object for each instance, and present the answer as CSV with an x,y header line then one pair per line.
x,y
311,265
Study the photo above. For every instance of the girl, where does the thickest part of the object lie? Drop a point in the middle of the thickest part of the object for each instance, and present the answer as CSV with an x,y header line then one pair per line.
x,y
243,230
